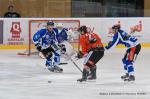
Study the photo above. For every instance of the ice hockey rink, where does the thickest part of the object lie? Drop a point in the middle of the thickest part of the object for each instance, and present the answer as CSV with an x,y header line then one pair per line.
x,y
24,77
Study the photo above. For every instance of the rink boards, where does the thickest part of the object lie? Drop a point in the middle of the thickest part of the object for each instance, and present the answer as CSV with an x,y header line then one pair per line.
x,y
15,32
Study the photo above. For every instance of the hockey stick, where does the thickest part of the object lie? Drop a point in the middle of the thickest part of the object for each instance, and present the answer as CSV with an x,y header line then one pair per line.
x,y
43,57
63,63
76,66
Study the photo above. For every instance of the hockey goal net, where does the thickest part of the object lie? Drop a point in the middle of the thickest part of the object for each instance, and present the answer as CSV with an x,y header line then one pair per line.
x,y
35,25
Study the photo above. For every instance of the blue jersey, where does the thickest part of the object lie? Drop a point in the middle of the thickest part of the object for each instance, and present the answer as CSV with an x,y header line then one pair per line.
x,y
45,38
61,35
121,37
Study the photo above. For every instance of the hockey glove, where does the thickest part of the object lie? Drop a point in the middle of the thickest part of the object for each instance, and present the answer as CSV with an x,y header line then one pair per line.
x,y
92,40
55,47
80,54
38,47
109,44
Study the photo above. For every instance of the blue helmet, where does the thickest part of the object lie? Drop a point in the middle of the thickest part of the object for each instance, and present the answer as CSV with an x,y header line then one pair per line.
x,y
50,23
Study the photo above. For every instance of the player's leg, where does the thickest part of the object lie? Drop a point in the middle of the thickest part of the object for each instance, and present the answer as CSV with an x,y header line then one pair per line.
x,y
56,58
131,59
130,69
137,51
86,67
57,62
90,63
85,73
48,55
129,64
95,57
125,65
49,64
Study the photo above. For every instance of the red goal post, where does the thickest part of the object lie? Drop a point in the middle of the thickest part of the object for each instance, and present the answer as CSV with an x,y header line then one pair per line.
x,y
35,25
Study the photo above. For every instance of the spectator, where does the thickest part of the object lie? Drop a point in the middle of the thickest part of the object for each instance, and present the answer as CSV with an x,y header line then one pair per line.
x,y
11,13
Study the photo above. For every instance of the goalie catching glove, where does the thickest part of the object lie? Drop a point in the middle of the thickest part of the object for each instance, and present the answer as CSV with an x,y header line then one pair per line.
x,y
62,48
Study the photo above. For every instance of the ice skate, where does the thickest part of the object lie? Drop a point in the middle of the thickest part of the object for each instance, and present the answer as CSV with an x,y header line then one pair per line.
x,y
125,76
84,76
58,69
81,79
50,68
130,78
92,76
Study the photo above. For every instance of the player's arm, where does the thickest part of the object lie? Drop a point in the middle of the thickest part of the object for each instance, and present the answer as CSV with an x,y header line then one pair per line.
x,y
99,39
114,42
36,39
83,44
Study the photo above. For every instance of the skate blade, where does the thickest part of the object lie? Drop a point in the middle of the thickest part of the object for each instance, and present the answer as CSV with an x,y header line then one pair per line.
x,y
83,82
58,71
63,63
129,82
93,80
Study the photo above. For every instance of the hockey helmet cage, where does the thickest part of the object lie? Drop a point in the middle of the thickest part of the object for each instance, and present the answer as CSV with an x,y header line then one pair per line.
x,y
50,23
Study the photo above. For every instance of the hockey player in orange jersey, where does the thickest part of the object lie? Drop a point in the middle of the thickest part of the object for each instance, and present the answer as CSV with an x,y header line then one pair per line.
x,y
92,48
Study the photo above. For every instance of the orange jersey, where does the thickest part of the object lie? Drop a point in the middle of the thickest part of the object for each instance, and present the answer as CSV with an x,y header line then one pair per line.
x,y
85,42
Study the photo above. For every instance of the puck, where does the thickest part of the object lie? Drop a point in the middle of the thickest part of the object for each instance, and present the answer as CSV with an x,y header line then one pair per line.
x,y
49,81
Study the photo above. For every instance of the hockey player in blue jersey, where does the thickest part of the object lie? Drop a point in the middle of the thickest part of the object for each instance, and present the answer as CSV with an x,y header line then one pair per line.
x,y
133,49
63,37
46,43
61,33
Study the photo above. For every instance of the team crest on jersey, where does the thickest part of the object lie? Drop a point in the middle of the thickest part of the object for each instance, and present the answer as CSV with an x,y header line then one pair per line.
x,y
63,33
47,36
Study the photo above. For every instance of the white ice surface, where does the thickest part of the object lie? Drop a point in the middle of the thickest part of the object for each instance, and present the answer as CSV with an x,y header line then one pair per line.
x,y
23,77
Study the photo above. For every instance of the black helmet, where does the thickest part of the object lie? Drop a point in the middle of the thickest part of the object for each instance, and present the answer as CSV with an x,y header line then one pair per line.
x,y
82,28
50,23
116,26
